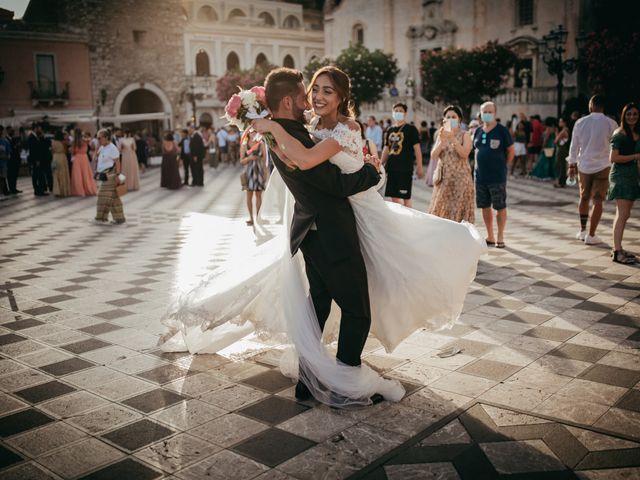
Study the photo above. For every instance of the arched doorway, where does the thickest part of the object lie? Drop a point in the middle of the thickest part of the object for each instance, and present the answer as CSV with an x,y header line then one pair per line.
x,y
261,61
202,63
135,104
288,62
206,120
233,62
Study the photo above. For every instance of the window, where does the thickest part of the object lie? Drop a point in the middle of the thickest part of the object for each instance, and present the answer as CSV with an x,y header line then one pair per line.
x,y
139,36
236,14
288,62
267,19
522,71
202,63
46,74
233,62
207,14
261,60
291,23
357,34
524,12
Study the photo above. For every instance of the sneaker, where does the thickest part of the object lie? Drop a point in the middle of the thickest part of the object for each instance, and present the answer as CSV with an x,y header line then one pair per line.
x,y
581,235
592,240
95,221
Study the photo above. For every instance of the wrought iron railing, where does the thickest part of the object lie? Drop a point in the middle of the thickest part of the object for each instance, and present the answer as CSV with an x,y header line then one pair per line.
x,y
43,91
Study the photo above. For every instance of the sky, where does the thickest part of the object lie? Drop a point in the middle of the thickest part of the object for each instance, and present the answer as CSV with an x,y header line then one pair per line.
x,y
16,6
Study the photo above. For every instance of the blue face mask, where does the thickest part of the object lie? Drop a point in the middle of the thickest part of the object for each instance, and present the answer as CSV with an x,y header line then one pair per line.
x,y
487,117
398,116
454,122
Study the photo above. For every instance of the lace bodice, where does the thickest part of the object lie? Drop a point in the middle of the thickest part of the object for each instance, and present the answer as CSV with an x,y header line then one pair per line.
x,y
351,158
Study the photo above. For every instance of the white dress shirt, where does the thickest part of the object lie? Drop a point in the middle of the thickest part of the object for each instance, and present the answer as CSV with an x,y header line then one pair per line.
x,y
590,143
107,156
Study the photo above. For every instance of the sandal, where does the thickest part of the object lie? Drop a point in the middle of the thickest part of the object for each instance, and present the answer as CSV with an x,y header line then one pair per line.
x,y
249,222
500,245
490,243
619,256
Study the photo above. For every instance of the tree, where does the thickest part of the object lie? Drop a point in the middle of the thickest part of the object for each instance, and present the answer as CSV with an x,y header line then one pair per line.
x,y
368,70
228,84
465,77
611,60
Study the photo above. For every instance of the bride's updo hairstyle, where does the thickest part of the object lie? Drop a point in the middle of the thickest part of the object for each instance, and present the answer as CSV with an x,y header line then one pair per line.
x,y
342,85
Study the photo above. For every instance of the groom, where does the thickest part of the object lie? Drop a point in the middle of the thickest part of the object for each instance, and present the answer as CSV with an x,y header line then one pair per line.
x,y
323,225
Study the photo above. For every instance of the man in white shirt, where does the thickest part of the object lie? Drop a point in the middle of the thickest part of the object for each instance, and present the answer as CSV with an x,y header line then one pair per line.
x,y
108,171
222,144
374,132
589,155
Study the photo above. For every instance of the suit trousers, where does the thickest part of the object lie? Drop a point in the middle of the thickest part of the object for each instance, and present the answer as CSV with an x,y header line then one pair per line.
x,y
38,179
197,170
186,163
345,282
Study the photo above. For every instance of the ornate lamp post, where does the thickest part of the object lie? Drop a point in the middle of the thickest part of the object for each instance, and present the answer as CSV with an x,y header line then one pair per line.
x,y
552,49
195,82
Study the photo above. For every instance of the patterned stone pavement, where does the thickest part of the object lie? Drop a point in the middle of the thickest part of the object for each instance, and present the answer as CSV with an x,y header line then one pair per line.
x,y
547,384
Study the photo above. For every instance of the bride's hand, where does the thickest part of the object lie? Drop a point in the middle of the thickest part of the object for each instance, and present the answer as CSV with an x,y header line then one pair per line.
x,y
262,125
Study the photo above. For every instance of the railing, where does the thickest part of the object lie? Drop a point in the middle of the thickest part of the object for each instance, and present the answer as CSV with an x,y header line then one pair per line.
x,y
536,95
49,92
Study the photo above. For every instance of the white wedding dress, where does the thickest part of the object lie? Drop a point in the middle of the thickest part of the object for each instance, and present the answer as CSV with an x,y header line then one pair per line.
x,y
419,268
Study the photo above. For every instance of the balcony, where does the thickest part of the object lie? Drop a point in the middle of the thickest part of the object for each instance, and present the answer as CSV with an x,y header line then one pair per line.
x,y
49,93
534,96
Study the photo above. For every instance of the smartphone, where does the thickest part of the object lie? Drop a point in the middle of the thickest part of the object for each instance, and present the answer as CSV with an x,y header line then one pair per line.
x,y
447,124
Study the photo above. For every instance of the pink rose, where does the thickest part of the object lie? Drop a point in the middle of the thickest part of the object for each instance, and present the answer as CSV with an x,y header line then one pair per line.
x,y
260,94
233,105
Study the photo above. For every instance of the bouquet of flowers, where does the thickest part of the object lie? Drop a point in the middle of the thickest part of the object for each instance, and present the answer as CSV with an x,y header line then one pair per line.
x,y
245,106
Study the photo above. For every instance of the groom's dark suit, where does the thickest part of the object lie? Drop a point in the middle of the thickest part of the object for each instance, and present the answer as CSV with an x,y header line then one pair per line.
x,y
324,228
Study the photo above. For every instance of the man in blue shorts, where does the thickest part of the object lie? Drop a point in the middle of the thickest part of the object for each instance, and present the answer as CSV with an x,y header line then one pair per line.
x,y
494,154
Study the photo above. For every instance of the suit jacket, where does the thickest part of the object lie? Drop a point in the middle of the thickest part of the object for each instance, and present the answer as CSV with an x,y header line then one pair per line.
x,y
321,195
39,149
197,146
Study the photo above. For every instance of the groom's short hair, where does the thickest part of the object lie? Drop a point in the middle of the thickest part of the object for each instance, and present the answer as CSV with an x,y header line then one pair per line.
x,y
280,83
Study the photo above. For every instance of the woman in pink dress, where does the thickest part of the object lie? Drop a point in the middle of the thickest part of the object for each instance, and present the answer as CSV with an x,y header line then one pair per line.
x,y
82,182
130,167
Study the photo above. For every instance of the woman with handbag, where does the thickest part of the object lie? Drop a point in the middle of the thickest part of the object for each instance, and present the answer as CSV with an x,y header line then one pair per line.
x,y
108,173
545,168
254,177
454,193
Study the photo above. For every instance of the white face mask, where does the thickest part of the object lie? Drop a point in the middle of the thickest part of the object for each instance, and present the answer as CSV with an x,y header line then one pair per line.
x,y
398,116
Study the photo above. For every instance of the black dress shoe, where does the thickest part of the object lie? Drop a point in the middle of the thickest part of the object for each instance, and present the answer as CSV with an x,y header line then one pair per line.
x,y
376,398
302,392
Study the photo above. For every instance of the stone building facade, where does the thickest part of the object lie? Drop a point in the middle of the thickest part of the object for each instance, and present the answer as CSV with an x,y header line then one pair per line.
x,y
223,35
409,27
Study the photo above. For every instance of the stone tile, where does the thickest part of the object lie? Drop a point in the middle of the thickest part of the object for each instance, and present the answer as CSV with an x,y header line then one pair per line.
x,y
467,385
9,366
11,338
592,392
518,396
92,378
22,324
273,447
9,404
365,443
66,366
7,457
56,298
188,415
85,346
153,400
322,461
273,410
439,470
22,421
317,424
579,352
86,456
198,384
123,388
177,452
630,401
222,466
435,403
400,419
125,469
123,302
271,381
113,314
163,374
522,457
512,356
139,434
418,373
561,366
621,377
44,391
549,333
451,434
105,418
508,418
100,328
233,397
24,471
571,409
621,421
45,439
469,347
620,360
45,356
489,369
136,364
448,363
41,310
22,379
228,430
595,442
72,404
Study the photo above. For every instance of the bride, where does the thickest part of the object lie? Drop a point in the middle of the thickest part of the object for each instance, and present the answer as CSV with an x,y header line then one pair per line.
x,y
419,268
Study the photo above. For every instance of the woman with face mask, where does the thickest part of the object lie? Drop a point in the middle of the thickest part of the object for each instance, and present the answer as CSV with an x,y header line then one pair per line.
x,y
453,193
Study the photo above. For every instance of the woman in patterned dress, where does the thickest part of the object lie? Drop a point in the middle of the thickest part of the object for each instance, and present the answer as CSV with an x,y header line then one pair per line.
x,y
254,156
454,196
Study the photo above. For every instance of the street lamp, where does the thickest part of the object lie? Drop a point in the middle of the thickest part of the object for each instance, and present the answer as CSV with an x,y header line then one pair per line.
x,y
552,49
195,82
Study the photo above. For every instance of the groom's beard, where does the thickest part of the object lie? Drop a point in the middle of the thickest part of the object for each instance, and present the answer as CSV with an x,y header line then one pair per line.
x,y
298,114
